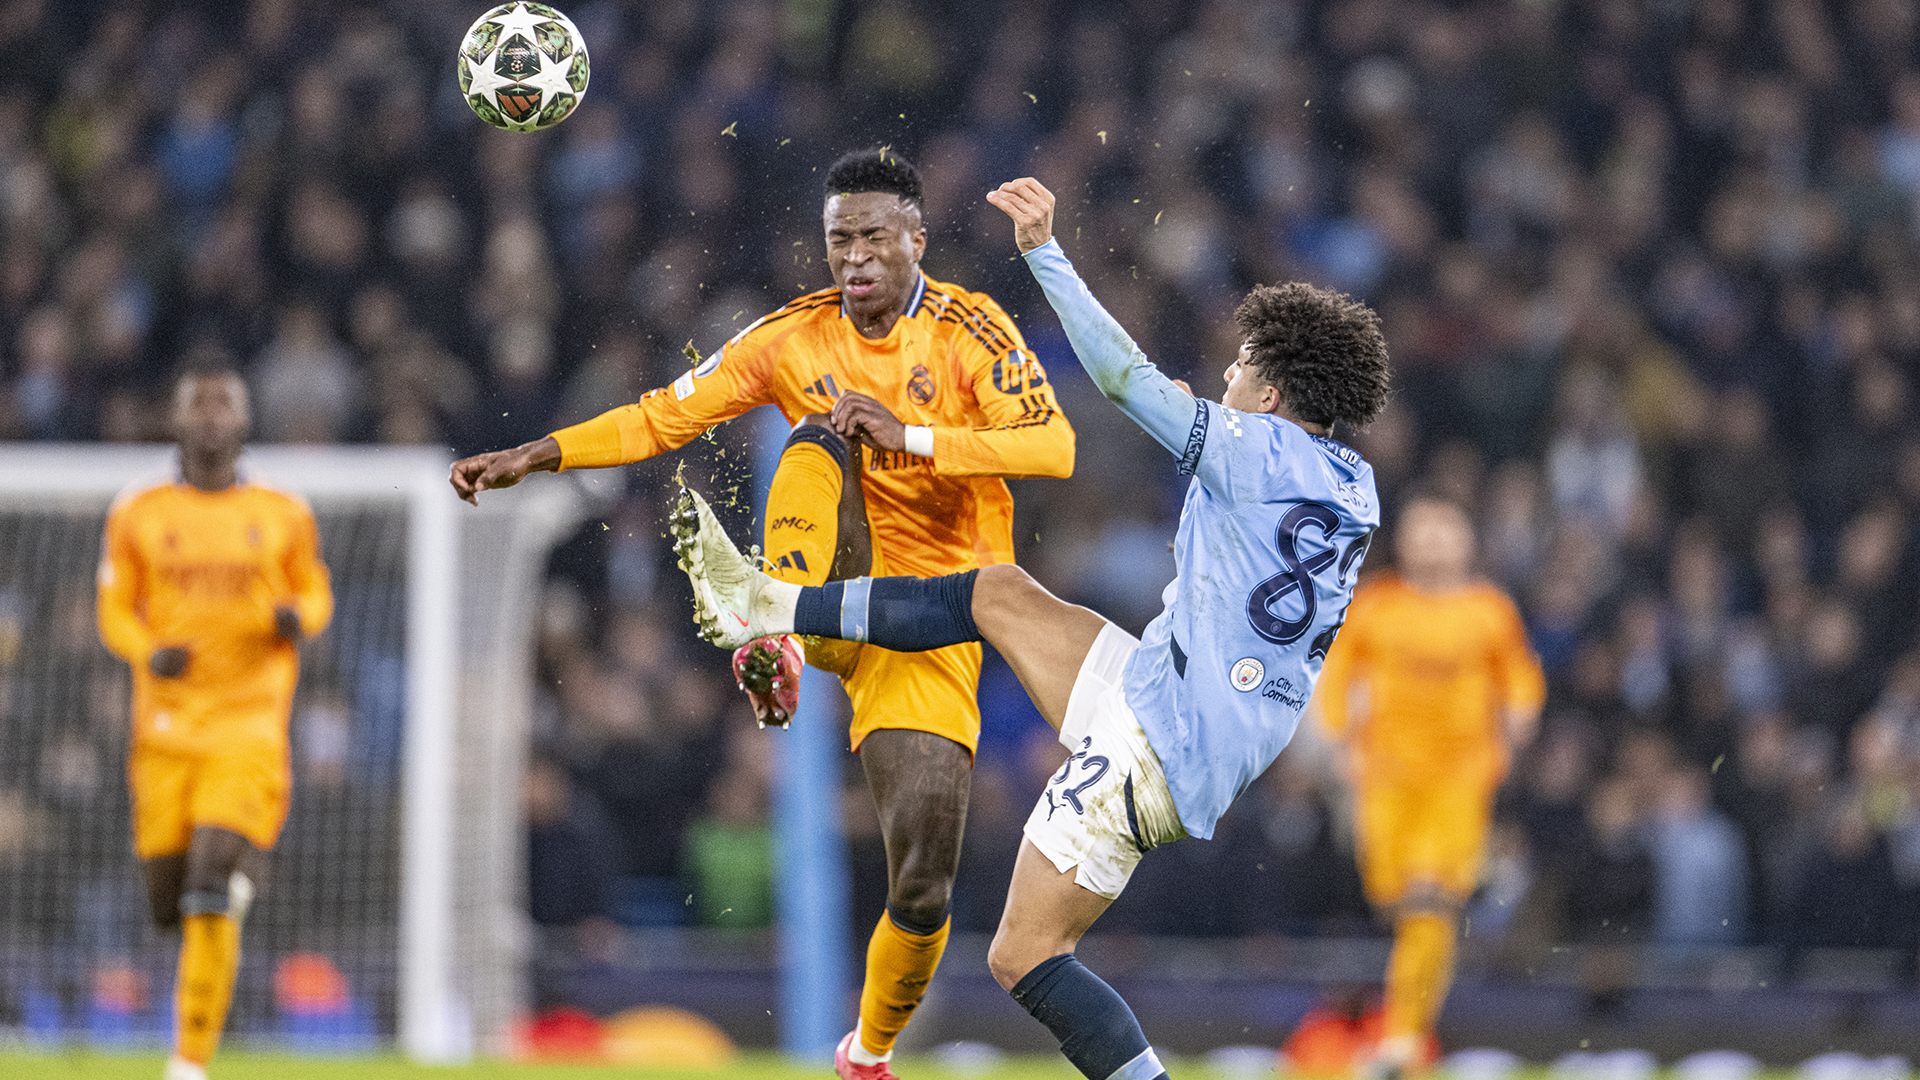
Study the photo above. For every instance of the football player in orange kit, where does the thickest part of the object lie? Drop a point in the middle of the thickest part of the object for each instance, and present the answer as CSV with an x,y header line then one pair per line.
x,y
927,394
207,583
1432,684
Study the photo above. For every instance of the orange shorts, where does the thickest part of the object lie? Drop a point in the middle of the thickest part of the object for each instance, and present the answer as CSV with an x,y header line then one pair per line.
x,y
245,791
1429,831
936,691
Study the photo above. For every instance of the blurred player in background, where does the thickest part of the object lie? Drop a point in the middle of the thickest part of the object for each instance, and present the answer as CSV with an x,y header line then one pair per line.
x,y
207,584
912,400
1168,729
1432,685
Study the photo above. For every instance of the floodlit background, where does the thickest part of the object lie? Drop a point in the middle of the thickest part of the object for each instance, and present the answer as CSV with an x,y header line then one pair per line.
x,y
1650,272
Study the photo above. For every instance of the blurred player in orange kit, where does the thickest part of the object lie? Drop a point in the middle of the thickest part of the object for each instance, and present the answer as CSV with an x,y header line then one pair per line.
x,y
912,399
1432,684
207,583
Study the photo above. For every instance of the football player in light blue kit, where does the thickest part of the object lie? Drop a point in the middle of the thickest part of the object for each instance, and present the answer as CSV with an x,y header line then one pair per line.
x,y
1165,732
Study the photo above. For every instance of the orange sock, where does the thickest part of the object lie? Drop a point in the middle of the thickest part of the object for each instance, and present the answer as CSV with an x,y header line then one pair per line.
x,y
803,533
1419,973
803,514
209,959
899,966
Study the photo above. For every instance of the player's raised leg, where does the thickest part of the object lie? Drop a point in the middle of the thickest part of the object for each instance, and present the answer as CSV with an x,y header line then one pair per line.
x,y
816,517
816,530
1043,638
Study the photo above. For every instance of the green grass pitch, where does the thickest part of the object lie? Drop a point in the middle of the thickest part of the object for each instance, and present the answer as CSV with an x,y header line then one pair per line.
x,y
88,1065
243,1065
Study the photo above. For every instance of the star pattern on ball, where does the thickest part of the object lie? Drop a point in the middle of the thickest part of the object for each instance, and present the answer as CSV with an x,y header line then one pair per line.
x,y
522,111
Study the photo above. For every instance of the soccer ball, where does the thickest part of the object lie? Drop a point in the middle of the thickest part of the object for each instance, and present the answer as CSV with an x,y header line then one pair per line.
x,y
523,67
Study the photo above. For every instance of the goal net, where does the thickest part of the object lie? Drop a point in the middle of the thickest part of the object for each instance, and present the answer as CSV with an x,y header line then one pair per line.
x,y
393,907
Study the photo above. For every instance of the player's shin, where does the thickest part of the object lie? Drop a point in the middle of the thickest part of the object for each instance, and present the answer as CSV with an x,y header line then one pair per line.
x,y
209,960
1096,1029
803,506
899,613
900,963
1419,973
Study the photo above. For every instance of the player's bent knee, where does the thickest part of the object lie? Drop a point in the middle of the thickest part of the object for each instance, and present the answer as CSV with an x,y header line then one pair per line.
x,y
919,904
1005,971
815,428
1010,957
1002,592
1004,580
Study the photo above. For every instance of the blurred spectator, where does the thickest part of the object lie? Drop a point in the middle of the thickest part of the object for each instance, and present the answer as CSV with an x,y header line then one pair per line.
x,y
1699,866
729,850
307,386
570,848
1848,894
1739,472
1609,895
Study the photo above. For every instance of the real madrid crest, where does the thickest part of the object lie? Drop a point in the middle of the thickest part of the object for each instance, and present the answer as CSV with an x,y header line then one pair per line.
x,y
920,385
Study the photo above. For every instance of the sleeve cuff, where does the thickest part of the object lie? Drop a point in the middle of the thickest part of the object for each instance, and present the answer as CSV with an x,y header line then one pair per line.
x,y
1051,247
920,440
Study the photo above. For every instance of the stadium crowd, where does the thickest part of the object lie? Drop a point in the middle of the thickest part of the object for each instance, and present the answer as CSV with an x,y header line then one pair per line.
x,y
1650,273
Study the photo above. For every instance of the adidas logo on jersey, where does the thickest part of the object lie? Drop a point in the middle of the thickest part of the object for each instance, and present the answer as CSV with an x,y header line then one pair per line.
x,y
825,387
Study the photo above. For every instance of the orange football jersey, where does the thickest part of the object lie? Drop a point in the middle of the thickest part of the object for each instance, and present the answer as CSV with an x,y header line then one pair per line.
x,y
953,362
205,570
1426,679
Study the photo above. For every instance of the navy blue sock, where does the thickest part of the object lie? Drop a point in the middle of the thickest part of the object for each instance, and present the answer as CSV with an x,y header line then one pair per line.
x,y
906,614
1097,1032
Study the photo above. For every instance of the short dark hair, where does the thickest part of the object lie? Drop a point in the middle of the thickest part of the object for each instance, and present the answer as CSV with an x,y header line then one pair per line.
x,y
207,364
874,170
1321,348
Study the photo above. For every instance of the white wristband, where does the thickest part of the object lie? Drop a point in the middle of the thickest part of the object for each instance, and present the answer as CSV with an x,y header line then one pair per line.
x,y
920,440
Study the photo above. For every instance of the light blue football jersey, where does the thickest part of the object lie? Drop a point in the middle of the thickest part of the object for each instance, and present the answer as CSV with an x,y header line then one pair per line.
x,y
1271,537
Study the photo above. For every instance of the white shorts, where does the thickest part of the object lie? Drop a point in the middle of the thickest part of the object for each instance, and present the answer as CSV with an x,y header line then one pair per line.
x,y
1109,804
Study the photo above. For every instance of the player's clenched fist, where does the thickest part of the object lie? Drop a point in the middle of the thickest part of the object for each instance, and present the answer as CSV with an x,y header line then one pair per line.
x,y
858,417
1030,205
503,468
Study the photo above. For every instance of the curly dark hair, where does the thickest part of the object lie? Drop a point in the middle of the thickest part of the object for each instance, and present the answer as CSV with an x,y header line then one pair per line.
x,y
1321,348
874,170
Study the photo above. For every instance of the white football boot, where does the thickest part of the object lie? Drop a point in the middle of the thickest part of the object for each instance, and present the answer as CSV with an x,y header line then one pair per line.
x,y
726,584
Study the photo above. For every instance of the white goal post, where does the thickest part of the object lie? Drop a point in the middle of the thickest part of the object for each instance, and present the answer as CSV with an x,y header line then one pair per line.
x,y
435,626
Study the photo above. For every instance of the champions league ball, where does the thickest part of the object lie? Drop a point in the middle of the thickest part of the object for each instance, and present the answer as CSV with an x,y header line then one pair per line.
x,y
523,67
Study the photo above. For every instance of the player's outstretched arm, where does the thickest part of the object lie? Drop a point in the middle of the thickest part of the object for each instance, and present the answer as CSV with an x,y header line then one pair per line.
x,y
662,420
1117,365
503,468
